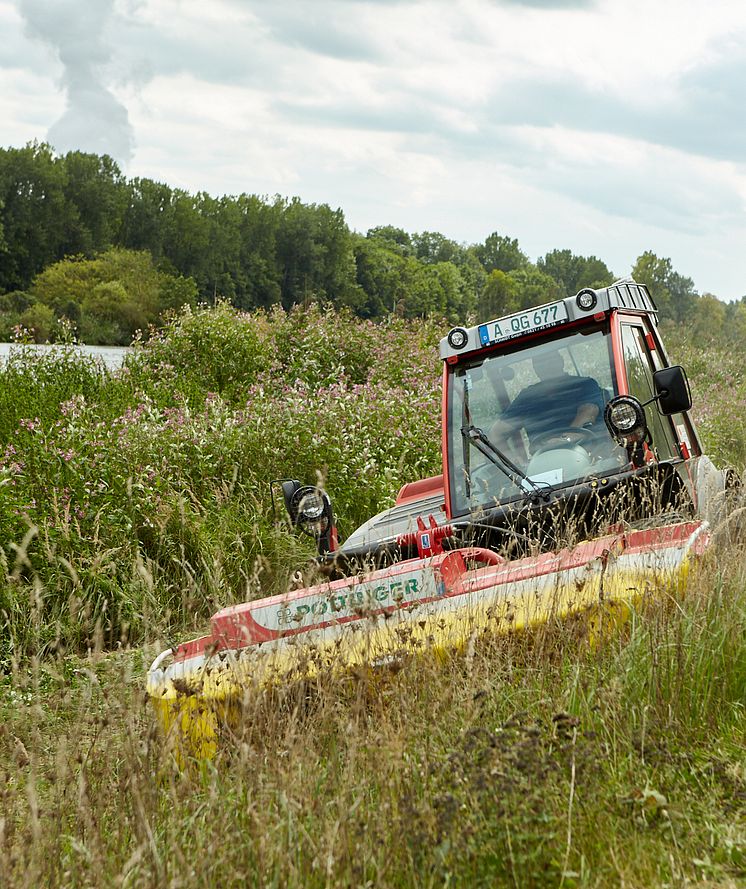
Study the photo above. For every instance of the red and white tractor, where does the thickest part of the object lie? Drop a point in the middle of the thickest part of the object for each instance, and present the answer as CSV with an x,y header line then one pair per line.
x,y
573,482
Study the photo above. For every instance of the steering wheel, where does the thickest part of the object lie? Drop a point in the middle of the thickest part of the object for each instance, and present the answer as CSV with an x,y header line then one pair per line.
x,y
487,481
485,476
564,437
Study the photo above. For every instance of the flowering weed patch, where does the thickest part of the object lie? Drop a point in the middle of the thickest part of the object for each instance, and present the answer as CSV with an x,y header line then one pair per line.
x,y
163,471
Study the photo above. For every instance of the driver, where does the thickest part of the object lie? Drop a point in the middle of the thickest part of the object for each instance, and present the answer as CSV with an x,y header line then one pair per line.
x,y
558,401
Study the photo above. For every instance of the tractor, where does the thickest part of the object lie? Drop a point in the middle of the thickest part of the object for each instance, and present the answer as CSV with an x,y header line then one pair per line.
x,y
573,483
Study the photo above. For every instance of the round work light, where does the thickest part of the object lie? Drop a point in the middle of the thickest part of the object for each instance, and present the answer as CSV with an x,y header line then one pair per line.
x,y
310,509
586,300
458,338
625,418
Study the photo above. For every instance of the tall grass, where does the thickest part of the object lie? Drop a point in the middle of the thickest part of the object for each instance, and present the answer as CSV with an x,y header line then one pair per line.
x,y
163,470
718,376
132,506
533,762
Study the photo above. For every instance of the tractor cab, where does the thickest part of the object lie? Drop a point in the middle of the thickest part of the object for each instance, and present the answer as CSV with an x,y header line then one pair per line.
x,y
569,411
554,399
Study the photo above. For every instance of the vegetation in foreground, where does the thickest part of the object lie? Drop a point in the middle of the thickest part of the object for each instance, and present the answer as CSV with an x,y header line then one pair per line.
x,y
132,506
532,762
138,503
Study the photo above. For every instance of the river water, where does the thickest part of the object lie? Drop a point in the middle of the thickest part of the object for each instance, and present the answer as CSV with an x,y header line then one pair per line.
x,y
110,356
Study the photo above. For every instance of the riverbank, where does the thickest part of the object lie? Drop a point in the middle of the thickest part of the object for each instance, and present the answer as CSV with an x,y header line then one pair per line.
x,y
111,357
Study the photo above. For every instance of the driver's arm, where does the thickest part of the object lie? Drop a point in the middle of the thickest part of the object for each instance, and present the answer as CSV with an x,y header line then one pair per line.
x,y
502,429
511,419
586,413
589,401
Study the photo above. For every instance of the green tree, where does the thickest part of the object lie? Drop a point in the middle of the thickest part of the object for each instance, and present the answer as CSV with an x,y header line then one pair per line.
x,y
143,222
110,315
444,291
499,296
433,247
500,252
34,212
15,302
735,322
112,296
574,272
314,254
395,237
674,294
380,275
259,223
40,321
534,287
96,198
186,238
221,273
708,322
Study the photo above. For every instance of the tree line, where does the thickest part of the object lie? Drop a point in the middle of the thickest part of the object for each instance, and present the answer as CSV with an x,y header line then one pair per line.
x,y
83,247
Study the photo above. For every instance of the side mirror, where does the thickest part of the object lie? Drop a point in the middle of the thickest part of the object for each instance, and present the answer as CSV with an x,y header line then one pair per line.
x,y
672,386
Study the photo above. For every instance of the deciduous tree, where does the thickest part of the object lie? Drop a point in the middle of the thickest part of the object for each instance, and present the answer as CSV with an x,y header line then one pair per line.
x,y
500,252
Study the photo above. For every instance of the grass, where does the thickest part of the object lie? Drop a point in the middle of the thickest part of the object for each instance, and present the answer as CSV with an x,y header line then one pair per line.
x,y
533,761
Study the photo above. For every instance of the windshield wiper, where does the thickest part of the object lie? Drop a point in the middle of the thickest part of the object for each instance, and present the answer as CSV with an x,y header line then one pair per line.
x,y
478,437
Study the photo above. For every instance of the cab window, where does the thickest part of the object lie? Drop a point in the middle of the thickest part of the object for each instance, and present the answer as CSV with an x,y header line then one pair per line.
x,y
640,382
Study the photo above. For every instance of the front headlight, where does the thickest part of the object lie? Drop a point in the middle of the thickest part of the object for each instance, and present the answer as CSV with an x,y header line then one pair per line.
x,y
309,510
625,418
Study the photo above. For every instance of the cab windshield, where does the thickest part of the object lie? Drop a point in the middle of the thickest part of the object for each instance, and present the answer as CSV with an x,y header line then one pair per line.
x,y
541,407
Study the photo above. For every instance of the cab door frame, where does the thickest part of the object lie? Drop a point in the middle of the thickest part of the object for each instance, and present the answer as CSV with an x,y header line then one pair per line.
x,y
682,430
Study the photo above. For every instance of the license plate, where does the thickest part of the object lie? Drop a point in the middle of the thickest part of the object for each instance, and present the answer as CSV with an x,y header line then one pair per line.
x,y
522,323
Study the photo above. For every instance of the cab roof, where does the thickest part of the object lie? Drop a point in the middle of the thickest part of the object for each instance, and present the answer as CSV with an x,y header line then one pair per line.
x,y
622,294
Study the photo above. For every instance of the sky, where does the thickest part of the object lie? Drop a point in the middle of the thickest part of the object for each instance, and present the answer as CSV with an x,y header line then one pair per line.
x,y
608,127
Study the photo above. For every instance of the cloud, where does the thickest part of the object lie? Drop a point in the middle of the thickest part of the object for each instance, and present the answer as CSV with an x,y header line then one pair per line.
x,y
709,117
546,119
624,178
550,4
699,113
219,42
94,119
17,52
327,29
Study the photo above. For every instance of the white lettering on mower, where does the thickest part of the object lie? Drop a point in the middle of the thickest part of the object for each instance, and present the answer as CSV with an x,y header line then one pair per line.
x,y
356,601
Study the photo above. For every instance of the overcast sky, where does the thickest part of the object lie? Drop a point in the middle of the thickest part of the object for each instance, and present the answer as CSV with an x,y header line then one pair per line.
x,y
607,127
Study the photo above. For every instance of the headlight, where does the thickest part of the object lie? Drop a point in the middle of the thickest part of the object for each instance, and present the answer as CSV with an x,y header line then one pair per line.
x,y
625,418
310,512
458,338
